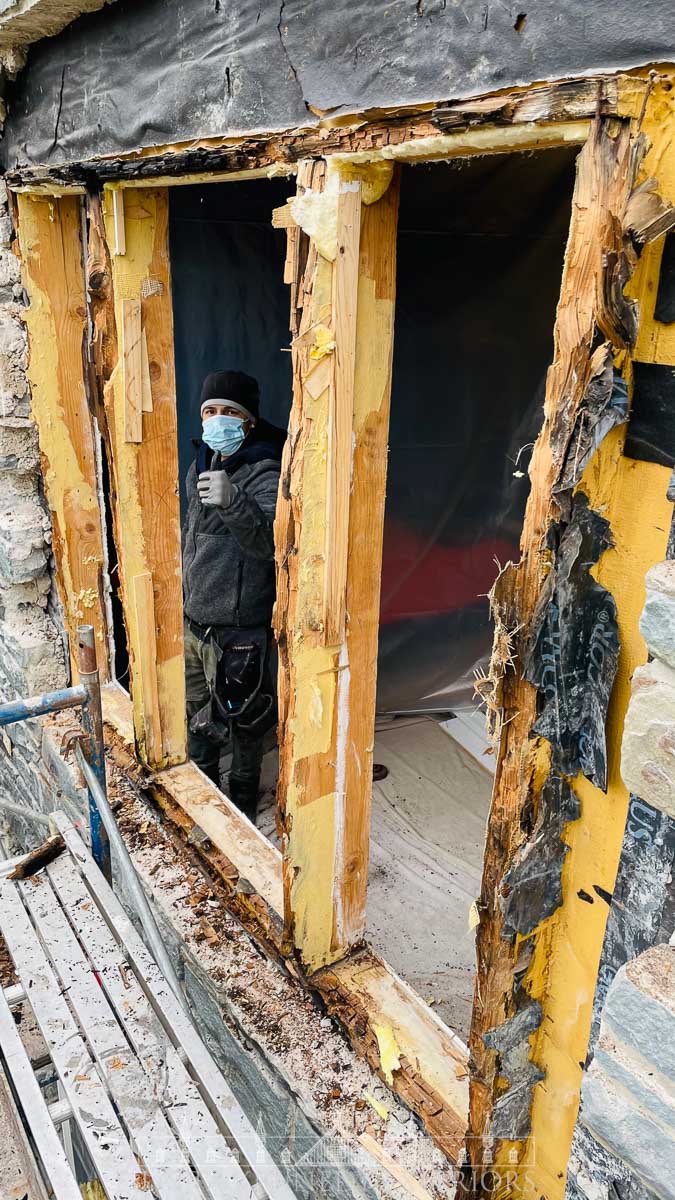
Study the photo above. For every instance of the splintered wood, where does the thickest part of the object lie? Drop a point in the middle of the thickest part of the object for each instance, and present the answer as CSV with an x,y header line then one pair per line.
x,y
329,538
513,974
131,301
51,251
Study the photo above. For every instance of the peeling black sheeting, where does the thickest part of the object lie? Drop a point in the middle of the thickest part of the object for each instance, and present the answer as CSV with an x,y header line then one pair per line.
x,y
147,72
532,887
651,431
664,309
642,908
605,405
573,651
511,1117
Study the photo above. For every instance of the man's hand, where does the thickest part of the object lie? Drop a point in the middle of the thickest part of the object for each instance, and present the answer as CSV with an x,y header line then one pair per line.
x,y
214,488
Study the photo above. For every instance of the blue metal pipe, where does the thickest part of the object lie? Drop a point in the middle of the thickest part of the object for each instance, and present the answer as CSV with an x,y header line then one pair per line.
x,y
37,706
94,747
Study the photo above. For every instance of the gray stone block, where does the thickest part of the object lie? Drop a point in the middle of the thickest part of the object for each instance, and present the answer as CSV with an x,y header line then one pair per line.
x,y
628,1096
648,746
657,623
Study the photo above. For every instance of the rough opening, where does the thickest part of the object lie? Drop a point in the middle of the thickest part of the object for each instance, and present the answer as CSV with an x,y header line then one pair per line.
x,y
480,250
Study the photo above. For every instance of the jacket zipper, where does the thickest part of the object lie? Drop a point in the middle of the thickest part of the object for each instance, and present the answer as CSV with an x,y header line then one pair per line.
x,y
240,572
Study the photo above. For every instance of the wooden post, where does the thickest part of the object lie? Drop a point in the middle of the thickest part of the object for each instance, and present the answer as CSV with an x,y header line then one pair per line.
x,y
327,671
142,432
51,251
546,974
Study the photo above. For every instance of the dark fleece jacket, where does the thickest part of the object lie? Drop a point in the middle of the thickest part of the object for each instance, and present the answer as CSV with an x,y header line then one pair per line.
x,y
228,554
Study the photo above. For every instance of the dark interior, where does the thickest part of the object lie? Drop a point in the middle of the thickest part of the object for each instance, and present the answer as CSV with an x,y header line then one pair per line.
x,y
480,250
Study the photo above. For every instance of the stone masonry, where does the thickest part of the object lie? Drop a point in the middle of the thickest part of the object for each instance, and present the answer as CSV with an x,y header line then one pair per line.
x,y
31,645
648,750
629,1090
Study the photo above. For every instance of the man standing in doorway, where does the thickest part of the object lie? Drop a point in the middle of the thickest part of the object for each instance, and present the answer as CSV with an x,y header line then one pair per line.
x,y
229,582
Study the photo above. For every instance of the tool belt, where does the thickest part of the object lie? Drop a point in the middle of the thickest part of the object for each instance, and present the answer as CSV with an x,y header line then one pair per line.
x,y
242,693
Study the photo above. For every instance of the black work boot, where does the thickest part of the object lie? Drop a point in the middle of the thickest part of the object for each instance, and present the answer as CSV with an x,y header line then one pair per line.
x,y
244,794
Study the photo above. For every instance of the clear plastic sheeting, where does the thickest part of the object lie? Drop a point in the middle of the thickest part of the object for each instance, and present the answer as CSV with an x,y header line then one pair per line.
x,y
480,252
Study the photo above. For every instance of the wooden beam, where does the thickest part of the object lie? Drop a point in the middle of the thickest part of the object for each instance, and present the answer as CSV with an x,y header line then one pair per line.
x,y
137,300
383,1018
548,970
51,252
327,689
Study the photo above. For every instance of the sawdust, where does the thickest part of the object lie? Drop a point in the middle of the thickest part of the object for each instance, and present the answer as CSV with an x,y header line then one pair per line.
x,y
266,1008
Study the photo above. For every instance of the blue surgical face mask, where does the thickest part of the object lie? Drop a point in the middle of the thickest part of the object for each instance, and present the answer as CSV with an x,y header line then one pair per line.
x,y
224,434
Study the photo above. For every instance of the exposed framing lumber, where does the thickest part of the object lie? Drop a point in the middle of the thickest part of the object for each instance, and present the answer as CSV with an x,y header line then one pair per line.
x,y
555,965
521,119
327,688
131,301
51,251
362,991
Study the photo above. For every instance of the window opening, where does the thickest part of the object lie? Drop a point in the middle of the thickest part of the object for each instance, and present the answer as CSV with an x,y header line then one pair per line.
x,y
480,251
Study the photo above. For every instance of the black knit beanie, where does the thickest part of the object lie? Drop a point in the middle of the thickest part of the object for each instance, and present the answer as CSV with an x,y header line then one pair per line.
x,y
232,385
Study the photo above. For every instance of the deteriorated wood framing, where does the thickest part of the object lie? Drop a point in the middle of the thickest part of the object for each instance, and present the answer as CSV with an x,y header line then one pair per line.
x,y
534,989
132,353
401,1037
51,249
329,542
327,608
524,118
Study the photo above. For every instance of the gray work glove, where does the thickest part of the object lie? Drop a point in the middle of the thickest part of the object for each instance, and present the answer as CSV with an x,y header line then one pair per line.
x,y
214,488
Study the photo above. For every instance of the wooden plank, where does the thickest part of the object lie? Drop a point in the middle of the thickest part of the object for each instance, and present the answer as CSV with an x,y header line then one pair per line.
x,y
379,1010
144,474
407,1181
326,762
29,1092
146,383
134,1091
144,602
341,410
197,1130
118,219
216,1092
132,370
92,1109
51,253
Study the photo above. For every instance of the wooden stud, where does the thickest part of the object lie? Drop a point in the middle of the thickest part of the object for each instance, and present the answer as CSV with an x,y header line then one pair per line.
x,y
326,691
118,220
341,409
51,252
132,369
144,473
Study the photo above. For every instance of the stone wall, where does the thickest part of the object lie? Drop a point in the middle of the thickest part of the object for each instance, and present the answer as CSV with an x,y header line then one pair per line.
x,y
648,750
31,643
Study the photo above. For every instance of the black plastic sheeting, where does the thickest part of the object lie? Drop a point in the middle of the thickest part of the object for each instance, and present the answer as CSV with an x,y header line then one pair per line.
x,y
230,305
480,256
148,72
480,253
574,649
